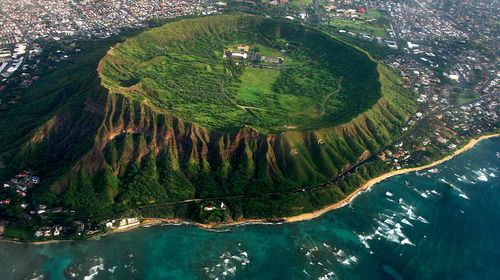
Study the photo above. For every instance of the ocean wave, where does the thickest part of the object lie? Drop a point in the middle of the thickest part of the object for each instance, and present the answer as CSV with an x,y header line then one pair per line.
x,y
349,261
460,192
407,241
464,196
410,214
328,276
481,175
422,219
339,253
426,193
390,226
228,265
463,178
93,271
405,221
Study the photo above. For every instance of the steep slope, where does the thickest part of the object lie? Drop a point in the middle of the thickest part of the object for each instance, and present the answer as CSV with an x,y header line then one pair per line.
x,y
106,150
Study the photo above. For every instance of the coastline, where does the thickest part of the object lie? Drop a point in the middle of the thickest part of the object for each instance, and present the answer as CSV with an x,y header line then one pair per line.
x,y
366,186
148,222
315,214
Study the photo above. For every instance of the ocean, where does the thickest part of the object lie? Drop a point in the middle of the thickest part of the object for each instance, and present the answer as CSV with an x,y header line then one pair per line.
x,y
442,223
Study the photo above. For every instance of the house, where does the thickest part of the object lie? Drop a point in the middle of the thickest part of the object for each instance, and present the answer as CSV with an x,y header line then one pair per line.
x,y
235,55
132,221
122,223
128,222
56,210
243,48
361,10
209,208
21,188
274,60
80,227
239,55
57,231
35,180
5,202
23,174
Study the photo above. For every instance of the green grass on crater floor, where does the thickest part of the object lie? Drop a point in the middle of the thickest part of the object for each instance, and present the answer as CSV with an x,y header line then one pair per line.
x,y
179,68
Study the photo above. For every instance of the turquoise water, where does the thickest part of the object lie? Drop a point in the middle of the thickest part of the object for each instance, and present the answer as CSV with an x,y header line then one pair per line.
x,y
438,224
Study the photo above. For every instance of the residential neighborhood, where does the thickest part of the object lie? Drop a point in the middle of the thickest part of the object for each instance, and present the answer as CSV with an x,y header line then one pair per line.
x,y
27,26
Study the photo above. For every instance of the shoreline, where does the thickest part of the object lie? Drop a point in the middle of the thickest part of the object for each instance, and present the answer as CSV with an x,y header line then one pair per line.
x,y
148,222
315,214
366,186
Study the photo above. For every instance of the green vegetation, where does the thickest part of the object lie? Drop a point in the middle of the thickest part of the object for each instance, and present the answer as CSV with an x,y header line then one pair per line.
x,y
460,96
256,84
301,3
372,23
179,69
166,123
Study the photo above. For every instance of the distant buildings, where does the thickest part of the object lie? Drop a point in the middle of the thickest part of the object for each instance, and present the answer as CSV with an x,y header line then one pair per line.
x,y
27,20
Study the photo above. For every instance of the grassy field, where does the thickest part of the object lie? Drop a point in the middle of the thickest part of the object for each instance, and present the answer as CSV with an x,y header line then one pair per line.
x,y
301,3
460,96
256,85
258,97
372,23
17,233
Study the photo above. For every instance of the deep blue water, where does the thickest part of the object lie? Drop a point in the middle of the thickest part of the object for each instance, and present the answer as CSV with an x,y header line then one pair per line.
x,y
437,224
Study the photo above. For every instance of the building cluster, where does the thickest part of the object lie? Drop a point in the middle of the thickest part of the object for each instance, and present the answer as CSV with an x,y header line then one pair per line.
x,y
27,23
420,79
438,35
421,20
13,59
28,20
15,198
253,58
22,183
122,223
444,131
360,15
210,207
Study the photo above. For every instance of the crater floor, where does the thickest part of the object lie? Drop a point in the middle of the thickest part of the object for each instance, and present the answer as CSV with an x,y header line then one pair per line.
x,y
231,71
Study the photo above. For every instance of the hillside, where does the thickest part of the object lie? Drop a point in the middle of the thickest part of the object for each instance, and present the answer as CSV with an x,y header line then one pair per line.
x,y
161,119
